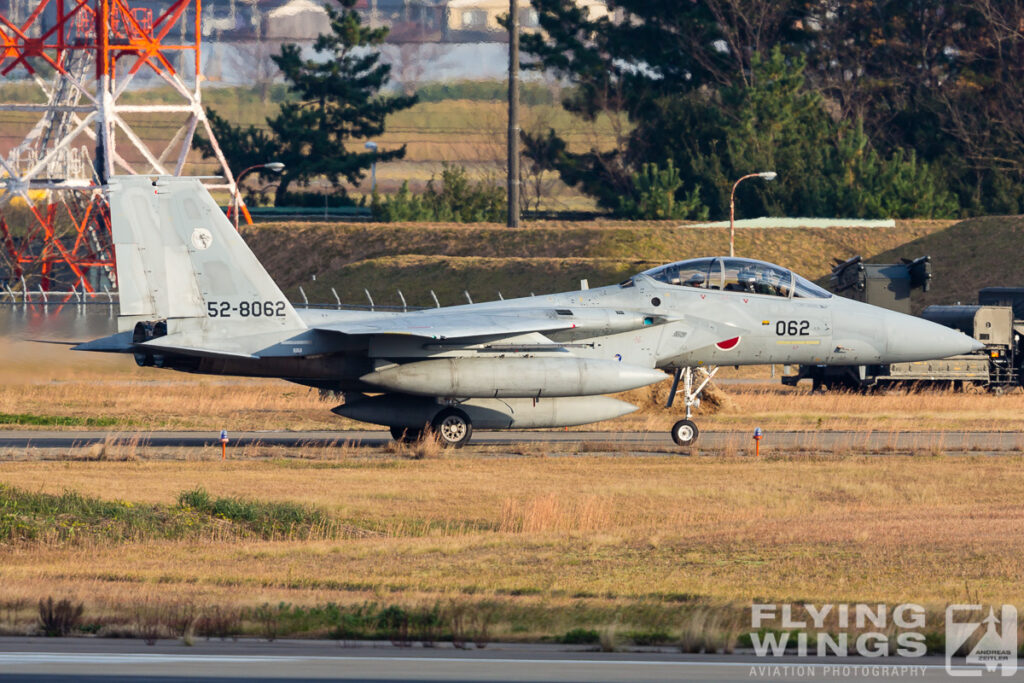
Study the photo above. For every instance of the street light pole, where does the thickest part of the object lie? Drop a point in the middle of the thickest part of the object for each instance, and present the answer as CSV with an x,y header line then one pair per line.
x,y
275,166
767,175
513,114
372,146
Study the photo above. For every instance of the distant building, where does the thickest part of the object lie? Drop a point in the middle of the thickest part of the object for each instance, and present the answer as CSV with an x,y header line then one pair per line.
x,y
383,12
408,21
297,20
478,20
235,20
425,22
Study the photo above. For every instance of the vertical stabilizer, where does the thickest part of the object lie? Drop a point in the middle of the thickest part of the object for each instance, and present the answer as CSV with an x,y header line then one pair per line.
x,y
179,259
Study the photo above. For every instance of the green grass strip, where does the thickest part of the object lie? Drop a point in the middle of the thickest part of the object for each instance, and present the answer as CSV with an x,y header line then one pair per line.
x,y
56,420
69,517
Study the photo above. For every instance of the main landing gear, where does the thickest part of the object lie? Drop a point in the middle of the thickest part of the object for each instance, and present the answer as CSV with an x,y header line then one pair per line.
x,y
406,434
451,427
685,432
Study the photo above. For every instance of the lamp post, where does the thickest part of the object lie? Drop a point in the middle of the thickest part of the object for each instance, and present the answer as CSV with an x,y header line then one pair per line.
x,y
275,166
372,146
767,175
512,180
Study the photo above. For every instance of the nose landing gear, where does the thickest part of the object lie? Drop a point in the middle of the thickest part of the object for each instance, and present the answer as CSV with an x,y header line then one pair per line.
x,y
685,432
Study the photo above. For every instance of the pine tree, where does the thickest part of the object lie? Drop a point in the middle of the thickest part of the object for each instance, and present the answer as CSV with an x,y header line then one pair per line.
x,y
337,98
655,197
651,60
716,89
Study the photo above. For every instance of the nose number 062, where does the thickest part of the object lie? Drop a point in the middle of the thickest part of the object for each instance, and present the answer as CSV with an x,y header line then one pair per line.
x,y
793,328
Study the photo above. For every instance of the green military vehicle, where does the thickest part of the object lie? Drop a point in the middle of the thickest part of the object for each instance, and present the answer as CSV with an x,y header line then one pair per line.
x,y
997,321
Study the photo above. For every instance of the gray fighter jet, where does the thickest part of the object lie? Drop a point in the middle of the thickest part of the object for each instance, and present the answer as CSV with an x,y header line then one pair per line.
x,y
193,297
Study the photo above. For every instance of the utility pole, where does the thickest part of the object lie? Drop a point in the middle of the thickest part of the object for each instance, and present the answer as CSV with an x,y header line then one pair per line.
x,y
513,113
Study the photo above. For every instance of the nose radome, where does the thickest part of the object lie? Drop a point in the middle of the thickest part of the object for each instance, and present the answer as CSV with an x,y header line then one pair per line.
x,y
910,339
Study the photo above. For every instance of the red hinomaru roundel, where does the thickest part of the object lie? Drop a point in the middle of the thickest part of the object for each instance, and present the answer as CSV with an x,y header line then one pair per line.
x,y
728,344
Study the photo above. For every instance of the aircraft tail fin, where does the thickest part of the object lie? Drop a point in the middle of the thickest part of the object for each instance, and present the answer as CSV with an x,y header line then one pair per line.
x,y
179,259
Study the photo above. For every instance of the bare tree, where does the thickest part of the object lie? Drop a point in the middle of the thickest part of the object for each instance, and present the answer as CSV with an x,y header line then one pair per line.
x,y
747,28
412,61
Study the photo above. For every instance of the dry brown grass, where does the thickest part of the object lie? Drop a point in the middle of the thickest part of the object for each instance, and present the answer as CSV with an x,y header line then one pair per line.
x,y
112,448
551,513
426,447
773,406
49,380
557,535
625,529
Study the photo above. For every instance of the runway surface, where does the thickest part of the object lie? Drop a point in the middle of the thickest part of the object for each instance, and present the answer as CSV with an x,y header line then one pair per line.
x,y
93,659
857,442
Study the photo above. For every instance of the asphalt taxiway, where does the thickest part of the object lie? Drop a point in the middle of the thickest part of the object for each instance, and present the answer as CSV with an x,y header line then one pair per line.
x,y
95,659
881,442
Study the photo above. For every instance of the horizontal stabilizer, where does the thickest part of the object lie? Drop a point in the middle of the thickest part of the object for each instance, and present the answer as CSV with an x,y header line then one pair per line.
x,y
115,343
196,343
57,342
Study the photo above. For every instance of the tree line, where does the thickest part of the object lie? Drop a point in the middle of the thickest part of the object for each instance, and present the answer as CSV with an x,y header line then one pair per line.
x,y
865,108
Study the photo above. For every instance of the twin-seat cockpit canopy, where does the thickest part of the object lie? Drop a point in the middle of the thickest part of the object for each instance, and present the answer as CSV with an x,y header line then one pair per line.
x,y
736,275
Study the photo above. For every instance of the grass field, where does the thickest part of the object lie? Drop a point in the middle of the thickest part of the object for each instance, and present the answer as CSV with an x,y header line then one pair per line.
x,y
542,546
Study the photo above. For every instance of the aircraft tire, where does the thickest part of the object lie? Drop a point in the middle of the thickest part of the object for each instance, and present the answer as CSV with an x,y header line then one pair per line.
x,y
452,428
406,434
685,433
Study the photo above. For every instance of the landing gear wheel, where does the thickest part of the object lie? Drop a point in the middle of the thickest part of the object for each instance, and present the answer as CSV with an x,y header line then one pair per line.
x,y
685,433
406,434
452,428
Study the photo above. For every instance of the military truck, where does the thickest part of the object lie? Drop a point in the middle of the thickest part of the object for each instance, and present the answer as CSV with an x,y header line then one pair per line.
x,y
886,285
997,321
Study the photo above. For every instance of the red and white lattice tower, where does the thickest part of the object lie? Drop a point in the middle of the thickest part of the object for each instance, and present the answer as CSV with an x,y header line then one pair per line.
x,y
84,55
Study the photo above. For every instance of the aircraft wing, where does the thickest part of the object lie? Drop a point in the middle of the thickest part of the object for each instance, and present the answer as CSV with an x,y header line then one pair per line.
x,y
522,328
441,324
453,327
329,338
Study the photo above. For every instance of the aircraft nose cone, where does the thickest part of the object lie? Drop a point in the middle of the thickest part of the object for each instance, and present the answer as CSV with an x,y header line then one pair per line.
x,y
911,339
